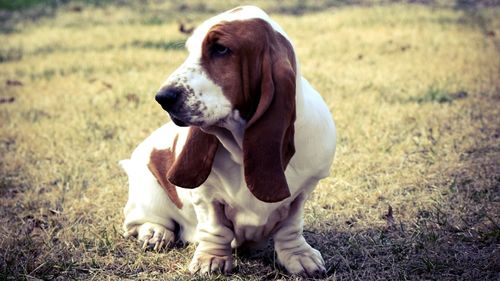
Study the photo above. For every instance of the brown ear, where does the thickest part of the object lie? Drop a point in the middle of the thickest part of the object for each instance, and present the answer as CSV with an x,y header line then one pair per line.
x,y
268,143
194,163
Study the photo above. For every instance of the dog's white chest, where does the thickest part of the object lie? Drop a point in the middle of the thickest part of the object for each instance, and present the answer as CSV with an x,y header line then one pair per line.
x,y
250,219
255,222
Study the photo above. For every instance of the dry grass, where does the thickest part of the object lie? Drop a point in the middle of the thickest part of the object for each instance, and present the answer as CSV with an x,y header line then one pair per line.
x,y
414,90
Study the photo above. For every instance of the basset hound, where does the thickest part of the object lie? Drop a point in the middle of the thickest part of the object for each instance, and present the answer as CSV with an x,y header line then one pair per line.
x,y
249,141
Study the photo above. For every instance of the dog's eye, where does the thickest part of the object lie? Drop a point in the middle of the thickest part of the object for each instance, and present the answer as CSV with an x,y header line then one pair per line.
x,y
220,50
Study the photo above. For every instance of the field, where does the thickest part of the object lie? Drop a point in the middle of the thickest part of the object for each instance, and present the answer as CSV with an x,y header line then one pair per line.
x,y
414,192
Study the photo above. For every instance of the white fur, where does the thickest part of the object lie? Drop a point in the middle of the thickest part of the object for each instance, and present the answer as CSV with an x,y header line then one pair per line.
x,y
222,212
205,102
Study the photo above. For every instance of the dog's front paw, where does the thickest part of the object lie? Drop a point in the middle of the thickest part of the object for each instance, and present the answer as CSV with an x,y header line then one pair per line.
x,y
307,263
154,236
204,263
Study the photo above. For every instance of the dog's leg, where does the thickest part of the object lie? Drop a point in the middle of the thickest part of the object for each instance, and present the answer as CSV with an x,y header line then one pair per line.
x,y
213,253
293,252
149,213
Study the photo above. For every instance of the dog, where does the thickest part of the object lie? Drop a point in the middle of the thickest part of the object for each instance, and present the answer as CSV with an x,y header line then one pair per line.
x,y
248,142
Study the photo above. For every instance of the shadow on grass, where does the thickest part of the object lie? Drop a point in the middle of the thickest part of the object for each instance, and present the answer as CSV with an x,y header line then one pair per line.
x,y
399,252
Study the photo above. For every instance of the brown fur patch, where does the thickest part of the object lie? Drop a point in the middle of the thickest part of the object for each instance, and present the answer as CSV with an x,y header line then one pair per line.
x,y
194,164
257,75
160,162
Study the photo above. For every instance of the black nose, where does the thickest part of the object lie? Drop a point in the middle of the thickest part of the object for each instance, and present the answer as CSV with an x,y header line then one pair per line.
x,y
167,97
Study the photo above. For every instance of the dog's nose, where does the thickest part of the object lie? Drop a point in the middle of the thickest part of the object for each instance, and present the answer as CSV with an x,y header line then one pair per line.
x,y
167,97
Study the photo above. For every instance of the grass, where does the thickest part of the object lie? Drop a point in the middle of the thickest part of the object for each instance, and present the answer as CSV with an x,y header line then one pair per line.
x,y
413,193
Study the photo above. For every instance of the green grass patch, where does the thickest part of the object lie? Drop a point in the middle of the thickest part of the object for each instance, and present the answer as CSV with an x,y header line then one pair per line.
x,y
12,5
10,53
434,94
17,5
159,44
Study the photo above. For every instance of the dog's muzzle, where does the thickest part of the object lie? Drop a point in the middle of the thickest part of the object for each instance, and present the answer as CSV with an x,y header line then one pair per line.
x,y
170,100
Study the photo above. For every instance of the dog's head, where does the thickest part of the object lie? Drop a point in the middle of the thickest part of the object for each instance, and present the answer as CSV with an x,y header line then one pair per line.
x,y
239,62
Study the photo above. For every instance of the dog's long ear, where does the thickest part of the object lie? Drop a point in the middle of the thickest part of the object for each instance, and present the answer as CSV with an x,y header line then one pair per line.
x,y
194,164
268,144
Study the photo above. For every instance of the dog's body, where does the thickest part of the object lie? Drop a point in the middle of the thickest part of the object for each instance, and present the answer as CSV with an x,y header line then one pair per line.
x,y
255,163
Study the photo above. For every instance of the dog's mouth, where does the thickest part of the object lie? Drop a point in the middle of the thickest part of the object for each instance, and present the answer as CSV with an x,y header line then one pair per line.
x,y
178,121
183,119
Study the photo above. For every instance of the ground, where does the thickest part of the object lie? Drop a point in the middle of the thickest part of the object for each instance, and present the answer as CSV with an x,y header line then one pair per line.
x,y
414,192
